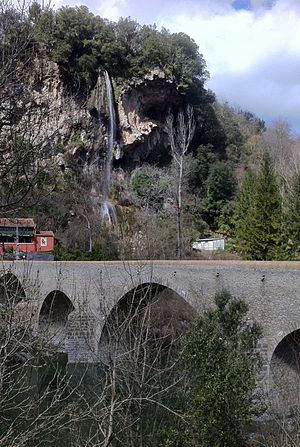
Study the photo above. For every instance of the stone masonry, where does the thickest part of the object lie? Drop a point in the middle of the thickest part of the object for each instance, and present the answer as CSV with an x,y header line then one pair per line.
x,y
271,289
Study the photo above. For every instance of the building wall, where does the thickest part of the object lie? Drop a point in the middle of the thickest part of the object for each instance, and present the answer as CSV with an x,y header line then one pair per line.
x,y
45,242
26,248
41,244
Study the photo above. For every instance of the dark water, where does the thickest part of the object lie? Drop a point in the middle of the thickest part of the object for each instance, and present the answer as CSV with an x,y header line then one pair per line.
x,y
41,404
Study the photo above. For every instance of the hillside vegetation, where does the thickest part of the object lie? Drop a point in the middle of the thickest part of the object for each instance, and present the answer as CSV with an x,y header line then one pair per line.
x,y
237,179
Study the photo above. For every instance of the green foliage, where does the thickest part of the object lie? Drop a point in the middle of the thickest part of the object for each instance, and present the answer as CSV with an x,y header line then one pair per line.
x,y
75,41
243,208
149,185
292,219
221,359
98,253
203,160
234,137
214,181
219,189
258,214
81,43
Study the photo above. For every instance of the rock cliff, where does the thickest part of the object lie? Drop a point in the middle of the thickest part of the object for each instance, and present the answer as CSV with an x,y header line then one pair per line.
x,y
73,128
142,111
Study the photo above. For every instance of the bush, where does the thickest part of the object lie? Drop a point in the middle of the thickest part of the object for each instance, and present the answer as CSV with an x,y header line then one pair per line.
x,y
222,364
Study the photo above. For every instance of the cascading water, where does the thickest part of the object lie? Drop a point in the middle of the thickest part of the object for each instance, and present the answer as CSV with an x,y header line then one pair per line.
x,y
108,213
111,137
108,209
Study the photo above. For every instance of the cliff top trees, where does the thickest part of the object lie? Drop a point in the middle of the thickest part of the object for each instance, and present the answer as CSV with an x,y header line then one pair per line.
x,y
80,43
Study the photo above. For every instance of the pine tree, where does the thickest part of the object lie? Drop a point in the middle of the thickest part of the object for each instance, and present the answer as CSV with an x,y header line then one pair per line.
x,y
260,228
292,218
243,209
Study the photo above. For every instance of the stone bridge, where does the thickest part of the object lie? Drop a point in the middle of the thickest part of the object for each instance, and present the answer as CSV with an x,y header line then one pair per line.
x,y
75,299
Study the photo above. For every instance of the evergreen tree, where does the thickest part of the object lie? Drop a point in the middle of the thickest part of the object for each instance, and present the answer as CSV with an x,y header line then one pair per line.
x,y
243,209
259,229
219,189
292,219
222,362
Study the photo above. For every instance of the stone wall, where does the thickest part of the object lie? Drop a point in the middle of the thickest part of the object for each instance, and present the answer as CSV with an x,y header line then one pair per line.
x,y
271,290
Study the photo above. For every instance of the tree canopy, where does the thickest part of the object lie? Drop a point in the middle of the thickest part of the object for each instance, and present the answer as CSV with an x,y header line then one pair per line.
x,y
81,42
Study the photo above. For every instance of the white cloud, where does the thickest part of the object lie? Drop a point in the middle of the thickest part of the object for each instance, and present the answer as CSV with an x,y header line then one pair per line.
x,y
253,56
111,9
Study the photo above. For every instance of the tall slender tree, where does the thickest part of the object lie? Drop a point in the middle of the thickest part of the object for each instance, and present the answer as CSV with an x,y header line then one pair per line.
x,y
259,214
243,209
180,132
292,218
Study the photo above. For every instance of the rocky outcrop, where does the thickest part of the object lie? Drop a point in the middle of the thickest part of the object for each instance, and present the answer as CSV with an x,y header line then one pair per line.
x,y
46,115
71,127
142,109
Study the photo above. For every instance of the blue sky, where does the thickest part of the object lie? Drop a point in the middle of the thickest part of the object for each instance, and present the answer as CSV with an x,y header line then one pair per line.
x,y
252,47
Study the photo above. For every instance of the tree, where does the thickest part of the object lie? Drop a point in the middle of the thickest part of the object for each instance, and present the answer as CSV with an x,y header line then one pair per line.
x,y
284,149
180,132
134,394
149,185
292,218
219,189
259,215
222,362
244,205
24,146
35,396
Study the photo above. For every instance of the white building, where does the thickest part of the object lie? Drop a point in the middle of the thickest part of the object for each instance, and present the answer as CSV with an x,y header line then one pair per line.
x,y
210,244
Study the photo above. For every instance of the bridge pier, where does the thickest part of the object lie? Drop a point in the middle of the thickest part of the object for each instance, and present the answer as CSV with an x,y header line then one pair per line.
x,y
82,337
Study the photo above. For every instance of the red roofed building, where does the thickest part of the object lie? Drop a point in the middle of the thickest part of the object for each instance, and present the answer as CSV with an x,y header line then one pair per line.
x,y
21,235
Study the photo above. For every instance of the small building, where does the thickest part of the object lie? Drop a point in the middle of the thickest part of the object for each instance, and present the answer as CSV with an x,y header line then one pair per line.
x,y
21,235
209,244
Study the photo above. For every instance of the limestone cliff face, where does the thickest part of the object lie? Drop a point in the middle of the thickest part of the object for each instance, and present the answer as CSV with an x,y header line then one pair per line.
x,y
72,128
142,110
42,112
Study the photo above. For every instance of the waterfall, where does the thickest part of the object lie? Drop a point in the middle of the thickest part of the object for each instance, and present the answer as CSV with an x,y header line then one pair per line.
x,y
108,213
111,137
108,210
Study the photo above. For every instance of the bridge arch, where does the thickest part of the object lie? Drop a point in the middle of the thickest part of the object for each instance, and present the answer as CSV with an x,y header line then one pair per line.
x,y
284,373
11,290
149,309
54,314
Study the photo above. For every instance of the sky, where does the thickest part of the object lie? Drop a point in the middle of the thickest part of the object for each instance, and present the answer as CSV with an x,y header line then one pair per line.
x,y
251,47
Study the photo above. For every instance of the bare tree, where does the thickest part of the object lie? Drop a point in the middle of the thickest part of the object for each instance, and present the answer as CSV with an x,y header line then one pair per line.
x,y
35,391
180,131
136,392
285,150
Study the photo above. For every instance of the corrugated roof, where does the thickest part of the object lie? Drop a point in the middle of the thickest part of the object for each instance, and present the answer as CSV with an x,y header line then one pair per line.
x,y
210,239
13,221
45,233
